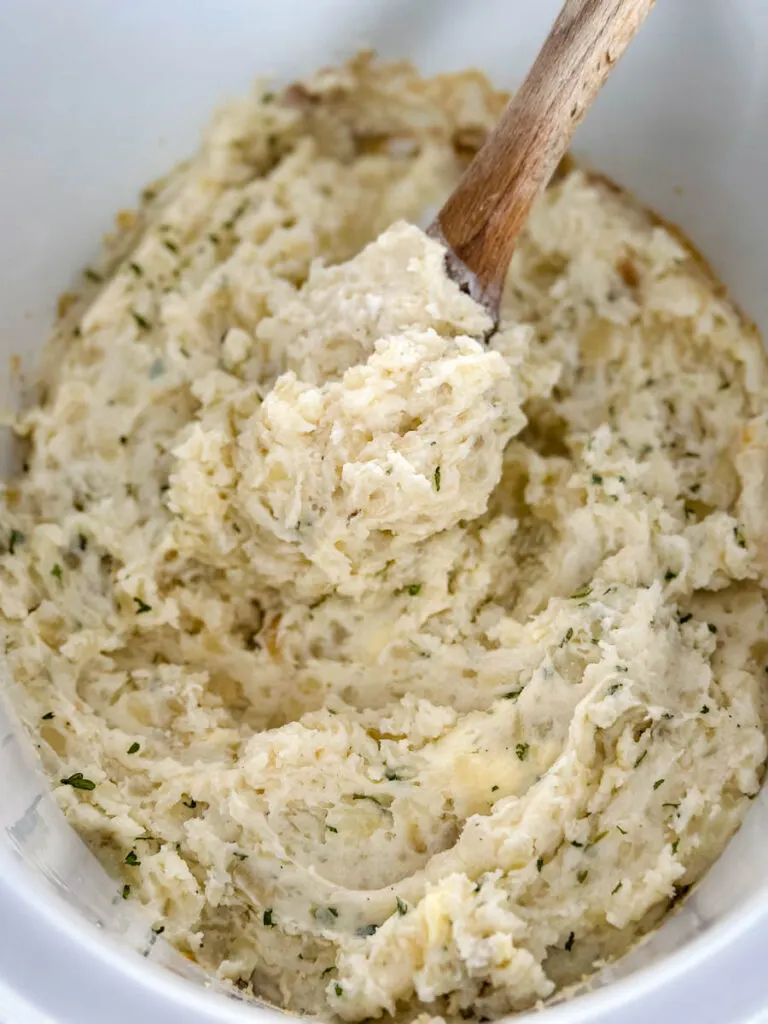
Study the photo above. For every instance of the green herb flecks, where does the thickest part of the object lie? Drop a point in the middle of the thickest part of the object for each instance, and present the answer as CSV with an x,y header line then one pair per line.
x,y
704,709
596,478
640,759
521,749
76,781
569,942
170,246
581,593
48,716
658,783
581,876
56,572
616,888
141,606
141,321
134,748
92,275
413,589
131,859
437,479
367,796
568,637
366,929
16,538
268,918
402,906
137,268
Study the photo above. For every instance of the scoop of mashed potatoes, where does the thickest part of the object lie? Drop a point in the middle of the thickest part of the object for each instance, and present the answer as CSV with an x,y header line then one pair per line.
x,y
388,669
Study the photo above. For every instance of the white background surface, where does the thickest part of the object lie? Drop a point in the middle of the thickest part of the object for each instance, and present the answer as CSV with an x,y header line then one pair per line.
x,y
99,96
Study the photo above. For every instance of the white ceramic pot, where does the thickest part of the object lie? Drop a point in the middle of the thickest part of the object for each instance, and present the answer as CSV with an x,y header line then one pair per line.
x,y
99,96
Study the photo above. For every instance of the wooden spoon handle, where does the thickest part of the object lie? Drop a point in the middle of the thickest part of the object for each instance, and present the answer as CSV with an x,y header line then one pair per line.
x,y
483,216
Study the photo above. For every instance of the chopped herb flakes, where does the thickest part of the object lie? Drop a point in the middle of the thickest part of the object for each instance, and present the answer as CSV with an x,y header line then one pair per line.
x,y
56,572
141,321
170,246
137,269
268,918
567,638
616,888
622,830
711,627
640,759
658,783
514,694
48,716
367,929
92,275
581,593
413,589
338,989
16,538
670,575
134,748
539,864
367,796
704,709
675,846
437,479
126,892
402,906
685,618
569,942
581,876
597,478
77,781
331,828
131,859
521,749
141,606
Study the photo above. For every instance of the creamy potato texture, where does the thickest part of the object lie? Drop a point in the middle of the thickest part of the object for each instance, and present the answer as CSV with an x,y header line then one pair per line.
x,y
391,670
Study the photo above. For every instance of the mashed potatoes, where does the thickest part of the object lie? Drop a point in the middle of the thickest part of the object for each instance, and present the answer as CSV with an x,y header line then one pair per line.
x,y
390,670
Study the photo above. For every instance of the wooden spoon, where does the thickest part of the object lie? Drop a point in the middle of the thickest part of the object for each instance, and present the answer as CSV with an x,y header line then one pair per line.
x,y
482,218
